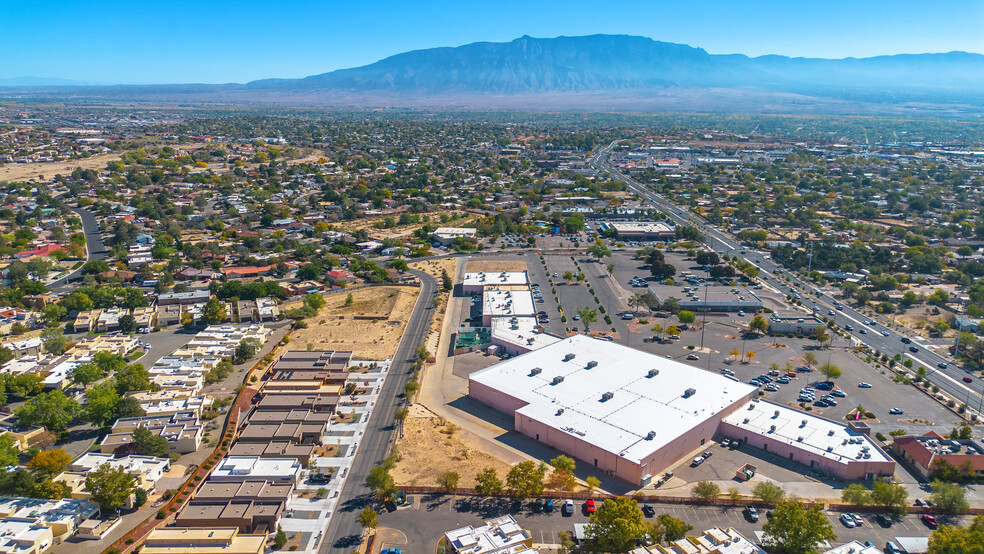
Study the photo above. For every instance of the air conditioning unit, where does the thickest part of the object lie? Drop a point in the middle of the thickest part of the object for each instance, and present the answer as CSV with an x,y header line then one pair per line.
x,y
535,371
592,364
772,429
689,392
568,357
653,373
560,411
557,380
651,435
607,396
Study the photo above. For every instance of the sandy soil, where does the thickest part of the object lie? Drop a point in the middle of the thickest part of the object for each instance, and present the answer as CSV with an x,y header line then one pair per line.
x,y
495,265
422,466
335,327
434,267
368,222
15,171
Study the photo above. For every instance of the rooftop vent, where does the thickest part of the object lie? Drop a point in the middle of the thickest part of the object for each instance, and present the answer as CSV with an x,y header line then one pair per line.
x,y
568,357
803,423
557,380
651,435
535,371
772,429
830,449
746,421
592,364
799,439
689,392
560,411
607,396
830,433
652,373
775,413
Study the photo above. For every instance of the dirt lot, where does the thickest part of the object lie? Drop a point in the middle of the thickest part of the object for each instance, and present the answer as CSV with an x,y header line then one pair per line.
x,y
444,452
14,171
371,327
462,219
434,267
495,265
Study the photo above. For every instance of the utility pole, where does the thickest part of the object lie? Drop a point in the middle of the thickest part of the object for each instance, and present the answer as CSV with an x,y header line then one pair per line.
x,y
809,266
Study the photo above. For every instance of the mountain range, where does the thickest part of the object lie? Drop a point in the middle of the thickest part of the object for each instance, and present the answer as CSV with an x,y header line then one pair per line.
x,y
611,71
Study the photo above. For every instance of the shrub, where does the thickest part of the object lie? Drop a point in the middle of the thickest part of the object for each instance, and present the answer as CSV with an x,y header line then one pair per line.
x,y
161,514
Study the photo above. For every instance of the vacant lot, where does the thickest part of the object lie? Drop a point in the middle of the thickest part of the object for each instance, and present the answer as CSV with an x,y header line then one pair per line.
x,y
371,326
430,446
495,265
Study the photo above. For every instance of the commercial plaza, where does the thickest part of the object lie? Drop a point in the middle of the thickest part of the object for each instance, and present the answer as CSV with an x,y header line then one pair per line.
x,y
633,414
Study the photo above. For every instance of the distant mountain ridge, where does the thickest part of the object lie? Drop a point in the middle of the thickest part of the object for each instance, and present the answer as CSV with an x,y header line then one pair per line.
x,y
605,72
621,62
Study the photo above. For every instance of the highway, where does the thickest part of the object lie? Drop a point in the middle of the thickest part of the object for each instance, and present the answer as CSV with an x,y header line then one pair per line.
x,y
878,337
343,533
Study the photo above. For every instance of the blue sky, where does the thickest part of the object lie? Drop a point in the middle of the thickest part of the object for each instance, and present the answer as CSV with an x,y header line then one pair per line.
x,y
216,41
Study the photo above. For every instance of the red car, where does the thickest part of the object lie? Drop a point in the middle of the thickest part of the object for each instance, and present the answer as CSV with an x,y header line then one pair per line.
x,y
968,379
590,506
930,521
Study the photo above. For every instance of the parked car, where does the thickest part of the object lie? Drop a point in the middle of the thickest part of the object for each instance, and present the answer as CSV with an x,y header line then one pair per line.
x,y
568,507
896,411
930,521
848,521
726,442
864,385
538,506
548,506
891,548
839,393
858,520
752,514
884,520
698,460
590,506
648,510
692,357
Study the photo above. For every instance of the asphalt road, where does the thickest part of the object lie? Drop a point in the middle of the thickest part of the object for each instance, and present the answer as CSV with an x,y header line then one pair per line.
x,y
95,248
949,379
344,532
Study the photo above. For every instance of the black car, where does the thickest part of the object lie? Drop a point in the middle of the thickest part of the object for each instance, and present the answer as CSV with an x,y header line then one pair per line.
x,y
884,520
537,506
913,349
648,510
752,514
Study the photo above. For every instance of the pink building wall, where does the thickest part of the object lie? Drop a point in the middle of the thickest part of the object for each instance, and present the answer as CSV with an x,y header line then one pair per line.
x,y
846,469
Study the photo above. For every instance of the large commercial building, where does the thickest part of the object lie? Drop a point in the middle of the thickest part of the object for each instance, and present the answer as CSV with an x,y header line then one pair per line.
x,y
475,283
640,230
627,412
823,445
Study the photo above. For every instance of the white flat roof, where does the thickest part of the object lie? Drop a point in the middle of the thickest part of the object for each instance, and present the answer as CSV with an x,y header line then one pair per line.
x,y
486,278
640,404
641,227
807,432
498,303
520,331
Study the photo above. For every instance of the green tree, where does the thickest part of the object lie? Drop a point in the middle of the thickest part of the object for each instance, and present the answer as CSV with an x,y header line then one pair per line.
x,y
767,491
796,529
246,349
85,374
446,282
448,480
487,482
705,490
686,317
892,496
949,497
54,341
314,301
349,300
148,443
101,402
759,324
674,528
588,316
128,324
949,539
525,479
368,518
133,377
110,487
53,313
615,526
8,451
598,250
856,495
53,410
381,482
108,362
280,539
214,311
830,371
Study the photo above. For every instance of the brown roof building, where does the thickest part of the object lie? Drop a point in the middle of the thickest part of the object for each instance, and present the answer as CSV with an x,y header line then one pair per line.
x,y
925,452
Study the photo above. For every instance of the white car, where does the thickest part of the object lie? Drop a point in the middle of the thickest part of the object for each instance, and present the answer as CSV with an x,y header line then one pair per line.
x,y
864,385
896,411
699,460
848,521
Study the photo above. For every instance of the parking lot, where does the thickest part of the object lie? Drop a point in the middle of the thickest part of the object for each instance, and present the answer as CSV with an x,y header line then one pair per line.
x,y
430,516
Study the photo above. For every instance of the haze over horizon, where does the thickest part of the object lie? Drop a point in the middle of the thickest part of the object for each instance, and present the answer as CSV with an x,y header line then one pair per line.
x,y
225,42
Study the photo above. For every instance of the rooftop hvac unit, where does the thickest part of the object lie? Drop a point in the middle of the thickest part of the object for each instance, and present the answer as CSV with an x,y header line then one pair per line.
x,y
535,371
803,423
607,396
557,380
746,421
568,357
772,429
830,449
592,364
689,392
653,373
560,411
651,435
830,433
775,414
799,439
